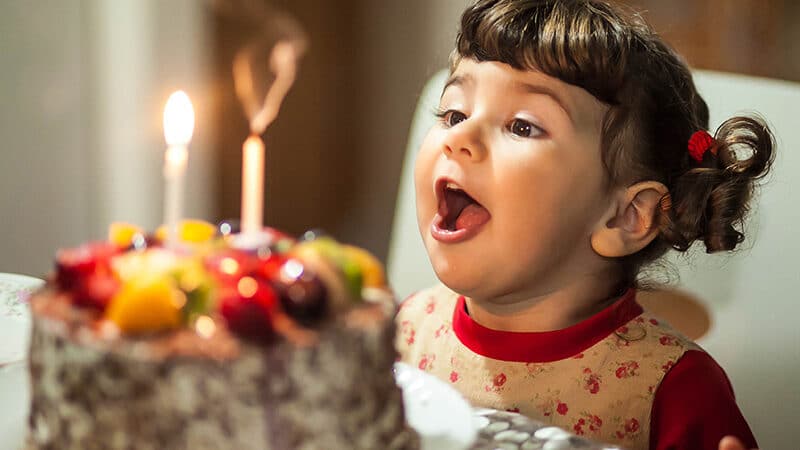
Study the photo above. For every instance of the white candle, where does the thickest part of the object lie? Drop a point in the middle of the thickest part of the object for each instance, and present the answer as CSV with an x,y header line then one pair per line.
x,y
178,129
252,185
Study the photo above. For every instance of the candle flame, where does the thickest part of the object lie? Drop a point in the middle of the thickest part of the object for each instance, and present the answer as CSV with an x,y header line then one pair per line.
x,y
176,156
178,119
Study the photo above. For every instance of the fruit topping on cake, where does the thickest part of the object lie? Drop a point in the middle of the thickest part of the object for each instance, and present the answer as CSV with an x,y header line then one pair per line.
x,y
282,287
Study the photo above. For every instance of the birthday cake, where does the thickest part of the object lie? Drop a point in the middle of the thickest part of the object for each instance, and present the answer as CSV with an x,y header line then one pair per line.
x,y
207,345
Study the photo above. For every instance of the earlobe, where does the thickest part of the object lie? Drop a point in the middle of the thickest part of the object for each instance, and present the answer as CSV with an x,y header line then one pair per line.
x,y
631,223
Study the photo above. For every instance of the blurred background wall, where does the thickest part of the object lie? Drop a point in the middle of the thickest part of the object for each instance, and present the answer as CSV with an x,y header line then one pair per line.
x,y
83,84
82,89
333,155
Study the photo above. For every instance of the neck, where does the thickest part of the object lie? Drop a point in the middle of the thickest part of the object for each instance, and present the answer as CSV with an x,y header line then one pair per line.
x,y
556,309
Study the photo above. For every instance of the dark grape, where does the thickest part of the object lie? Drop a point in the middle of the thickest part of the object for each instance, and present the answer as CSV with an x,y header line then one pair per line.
x,y
302,294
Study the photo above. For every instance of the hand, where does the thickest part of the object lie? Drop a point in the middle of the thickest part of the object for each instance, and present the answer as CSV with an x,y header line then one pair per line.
x,y
731,443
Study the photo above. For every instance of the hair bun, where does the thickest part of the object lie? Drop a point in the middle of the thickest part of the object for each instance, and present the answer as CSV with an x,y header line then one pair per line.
x,y
710,202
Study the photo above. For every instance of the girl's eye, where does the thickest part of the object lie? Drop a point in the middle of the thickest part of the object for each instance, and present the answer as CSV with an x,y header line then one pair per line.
x,y
455,118
451,117
523,128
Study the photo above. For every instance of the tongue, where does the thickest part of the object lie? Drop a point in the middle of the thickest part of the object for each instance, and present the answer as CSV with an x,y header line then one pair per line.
x,y
472,215
461,211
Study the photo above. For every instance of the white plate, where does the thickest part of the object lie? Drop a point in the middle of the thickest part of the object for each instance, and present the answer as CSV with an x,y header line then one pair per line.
x,y
441,416
15,323
15,401
14,315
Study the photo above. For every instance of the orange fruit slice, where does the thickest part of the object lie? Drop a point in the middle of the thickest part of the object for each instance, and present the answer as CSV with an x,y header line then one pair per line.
x,y
147,304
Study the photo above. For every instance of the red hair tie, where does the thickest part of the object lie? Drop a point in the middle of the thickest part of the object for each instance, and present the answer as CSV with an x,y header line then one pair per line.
x,y
700,143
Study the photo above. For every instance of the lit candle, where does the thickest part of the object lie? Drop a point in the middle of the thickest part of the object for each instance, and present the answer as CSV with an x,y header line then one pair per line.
x,y
282,64
252,186
178,129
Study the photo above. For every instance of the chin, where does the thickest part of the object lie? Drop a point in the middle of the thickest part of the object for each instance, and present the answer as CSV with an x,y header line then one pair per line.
x,y
456,279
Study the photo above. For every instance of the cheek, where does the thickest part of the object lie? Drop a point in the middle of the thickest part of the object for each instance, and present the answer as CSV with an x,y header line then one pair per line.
x,y
423,176
421,173
546,198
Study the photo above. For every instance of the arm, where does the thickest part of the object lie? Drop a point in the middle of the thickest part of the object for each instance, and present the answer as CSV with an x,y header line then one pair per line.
x,y
694,408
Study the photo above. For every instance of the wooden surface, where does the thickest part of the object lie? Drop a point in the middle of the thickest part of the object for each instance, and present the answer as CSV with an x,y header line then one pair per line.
x,y
753,37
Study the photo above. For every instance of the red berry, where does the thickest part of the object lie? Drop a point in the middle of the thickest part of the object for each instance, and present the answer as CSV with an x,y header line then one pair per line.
x,y
74,264
249,308
229,266
96,290
268,263
85,272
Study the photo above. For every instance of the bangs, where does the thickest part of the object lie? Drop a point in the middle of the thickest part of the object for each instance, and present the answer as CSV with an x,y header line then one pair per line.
x,y
578,42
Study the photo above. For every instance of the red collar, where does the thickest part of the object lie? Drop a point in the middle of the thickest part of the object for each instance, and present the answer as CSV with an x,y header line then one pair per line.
x,y
543,346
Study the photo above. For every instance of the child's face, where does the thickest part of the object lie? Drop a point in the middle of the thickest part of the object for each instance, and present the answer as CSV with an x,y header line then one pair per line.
x,y
525,148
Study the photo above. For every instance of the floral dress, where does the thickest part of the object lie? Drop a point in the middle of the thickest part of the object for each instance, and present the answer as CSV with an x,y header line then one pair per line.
x,y
597,379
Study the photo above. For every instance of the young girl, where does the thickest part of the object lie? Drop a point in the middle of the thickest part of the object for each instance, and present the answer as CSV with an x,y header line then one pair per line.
x,y
571,151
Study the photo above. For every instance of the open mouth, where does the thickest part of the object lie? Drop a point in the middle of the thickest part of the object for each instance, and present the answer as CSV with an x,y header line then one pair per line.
x,y
459,215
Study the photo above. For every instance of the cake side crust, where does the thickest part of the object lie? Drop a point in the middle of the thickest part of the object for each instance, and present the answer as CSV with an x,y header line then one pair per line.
x,y
337,393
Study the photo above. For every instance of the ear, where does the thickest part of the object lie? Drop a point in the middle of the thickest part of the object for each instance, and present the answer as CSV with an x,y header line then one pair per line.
x,y
629,224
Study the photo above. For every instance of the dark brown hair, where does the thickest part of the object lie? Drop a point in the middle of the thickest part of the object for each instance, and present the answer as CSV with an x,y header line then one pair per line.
x,y
654,108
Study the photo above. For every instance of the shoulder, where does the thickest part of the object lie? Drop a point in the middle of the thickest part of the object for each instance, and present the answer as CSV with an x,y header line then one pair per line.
x,y
697,367
695,406
421,319
428,300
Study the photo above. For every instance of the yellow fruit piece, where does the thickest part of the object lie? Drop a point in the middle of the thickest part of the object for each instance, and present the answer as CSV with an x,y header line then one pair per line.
x,y
197,231
147,304
194,231
149,263
121,234
371,267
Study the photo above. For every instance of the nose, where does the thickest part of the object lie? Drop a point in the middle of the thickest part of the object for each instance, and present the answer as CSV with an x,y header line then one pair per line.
x,y
464,141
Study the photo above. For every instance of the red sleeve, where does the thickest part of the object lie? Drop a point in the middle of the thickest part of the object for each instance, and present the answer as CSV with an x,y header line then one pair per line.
x,y
694,407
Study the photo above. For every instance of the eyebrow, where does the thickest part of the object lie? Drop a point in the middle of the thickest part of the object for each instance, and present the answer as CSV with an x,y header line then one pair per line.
x,y
543,90
456,80
459,80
